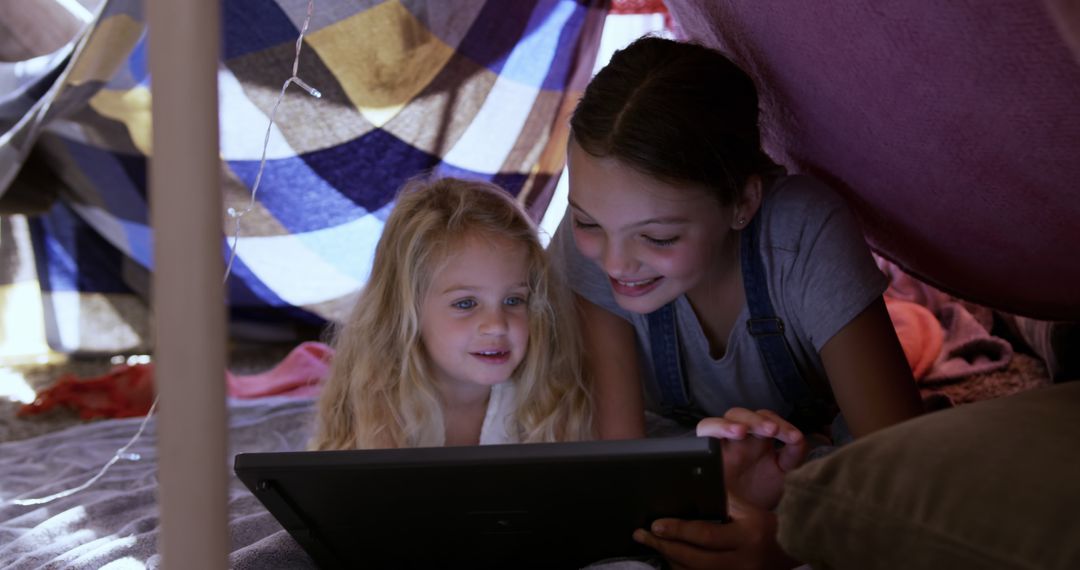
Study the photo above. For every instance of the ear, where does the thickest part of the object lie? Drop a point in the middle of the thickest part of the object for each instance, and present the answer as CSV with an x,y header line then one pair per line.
x,y
748,203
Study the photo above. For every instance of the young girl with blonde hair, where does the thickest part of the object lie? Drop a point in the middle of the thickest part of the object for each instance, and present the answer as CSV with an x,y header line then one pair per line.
x,y
462,335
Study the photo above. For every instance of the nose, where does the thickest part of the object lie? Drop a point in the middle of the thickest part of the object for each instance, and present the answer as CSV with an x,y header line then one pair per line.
x,y
618,260
493,321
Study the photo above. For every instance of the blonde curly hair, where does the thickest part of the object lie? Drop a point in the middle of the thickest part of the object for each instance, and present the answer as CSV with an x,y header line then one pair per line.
x,y
381,393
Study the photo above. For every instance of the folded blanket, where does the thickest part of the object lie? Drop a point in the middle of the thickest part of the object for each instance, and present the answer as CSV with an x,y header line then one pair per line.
x,y
968,348
944,338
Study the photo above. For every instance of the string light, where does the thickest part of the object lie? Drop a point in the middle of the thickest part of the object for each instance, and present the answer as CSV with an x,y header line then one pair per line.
x,y
236,216
294,79
120,454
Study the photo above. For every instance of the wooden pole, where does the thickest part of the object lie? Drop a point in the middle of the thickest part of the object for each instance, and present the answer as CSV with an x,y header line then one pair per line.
x,y
188,295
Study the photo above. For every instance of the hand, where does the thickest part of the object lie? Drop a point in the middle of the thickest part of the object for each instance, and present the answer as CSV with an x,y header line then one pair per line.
x,y
748,541
754,467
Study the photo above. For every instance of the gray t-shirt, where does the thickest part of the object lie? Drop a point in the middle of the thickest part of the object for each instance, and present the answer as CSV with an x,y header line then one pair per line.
x,y
821,276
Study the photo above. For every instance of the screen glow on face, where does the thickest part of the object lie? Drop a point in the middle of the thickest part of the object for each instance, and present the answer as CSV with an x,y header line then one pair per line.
x,y
474,320
653,240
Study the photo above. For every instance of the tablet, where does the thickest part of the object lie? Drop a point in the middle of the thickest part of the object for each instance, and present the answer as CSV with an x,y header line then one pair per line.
x,y
546,505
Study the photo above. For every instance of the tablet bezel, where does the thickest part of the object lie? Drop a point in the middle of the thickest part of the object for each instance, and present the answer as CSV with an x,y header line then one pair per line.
x,y
569,503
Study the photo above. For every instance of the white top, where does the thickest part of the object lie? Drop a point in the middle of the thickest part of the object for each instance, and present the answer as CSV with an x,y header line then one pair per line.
x,y
499,416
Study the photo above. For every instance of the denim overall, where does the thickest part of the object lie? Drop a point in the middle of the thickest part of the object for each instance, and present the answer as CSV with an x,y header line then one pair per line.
x,y
810,412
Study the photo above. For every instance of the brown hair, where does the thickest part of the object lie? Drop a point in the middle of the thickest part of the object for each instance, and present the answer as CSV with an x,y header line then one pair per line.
x,y
680,112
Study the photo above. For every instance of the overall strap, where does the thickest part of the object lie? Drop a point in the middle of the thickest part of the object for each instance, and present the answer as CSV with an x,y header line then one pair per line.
x,y
667,366
809,412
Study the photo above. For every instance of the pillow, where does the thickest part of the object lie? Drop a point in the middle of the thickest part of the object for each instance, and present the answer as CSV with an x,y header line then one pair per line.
x,y
994,484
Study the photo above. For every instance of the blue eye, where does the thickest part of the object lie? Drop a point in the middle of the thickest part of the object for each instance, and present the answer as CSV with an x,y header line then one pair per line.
x,y
464,304
661,242
514,301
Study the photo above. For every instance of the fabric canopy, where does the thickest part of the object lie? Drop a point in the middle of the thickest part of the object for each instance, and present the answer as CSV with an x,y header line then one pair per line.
x,y
476,89
953,128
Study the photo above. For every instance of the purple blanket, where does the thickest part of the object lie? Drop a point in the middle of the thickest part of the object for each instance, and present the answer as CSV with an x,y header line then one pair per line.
x,y
952,128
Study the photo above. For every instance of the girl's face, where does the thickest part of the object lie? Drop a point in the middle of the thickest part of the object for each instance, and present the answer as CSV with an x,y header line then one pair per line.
x,y
474,319
655,241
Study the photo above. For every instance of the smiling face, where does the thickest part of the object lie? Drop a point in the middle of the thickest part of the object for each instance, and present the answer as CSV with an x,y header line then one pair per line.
x,y
655,241
474,320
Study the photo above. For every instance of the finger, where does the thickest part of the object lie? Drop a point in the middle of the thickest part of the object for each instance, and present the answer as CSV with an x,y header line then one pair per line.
x,y
740,455
792,455
680,554
755,423
721,428
737,507
704,534
786,432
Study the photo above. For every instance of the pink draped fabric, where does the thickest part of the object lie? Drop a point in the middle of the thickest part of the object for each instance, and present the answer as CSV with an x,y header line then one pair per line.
x,y
952,128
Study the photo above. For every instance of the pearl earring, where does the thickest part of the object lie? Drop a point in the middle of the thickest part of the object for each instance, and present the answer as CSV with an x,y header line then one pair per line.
x,y
741,221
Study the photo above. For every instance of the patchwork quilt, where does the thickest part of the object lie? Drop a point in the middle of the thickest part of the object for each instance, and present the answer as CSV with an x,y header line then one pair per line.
x,y
474,88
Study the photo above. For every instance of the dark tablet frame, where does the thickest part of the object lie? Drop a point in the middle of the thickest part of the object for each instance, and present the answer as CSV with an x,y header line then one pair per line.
x,y
548,505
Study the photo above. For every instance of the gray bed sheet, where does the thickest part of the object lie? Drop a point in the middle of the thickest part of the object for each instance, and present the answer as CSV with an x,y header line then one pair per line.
x,y
114,523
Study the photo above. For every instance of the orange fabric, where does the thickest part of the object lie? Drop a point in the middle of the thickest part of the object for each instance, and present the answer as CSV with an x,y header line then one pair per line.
x,y
954,335
920,334
128,391
124,392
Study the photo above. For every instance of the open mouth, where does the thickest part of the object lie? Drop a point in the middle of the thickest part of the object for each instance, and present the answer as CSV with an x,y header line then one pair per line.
x,y
634,288
492,356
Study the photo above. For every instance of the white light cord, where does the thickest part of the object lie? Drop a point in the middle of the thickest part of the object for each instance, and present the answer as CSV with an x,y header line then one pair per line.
x,y
77,10
122,452
233,213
